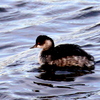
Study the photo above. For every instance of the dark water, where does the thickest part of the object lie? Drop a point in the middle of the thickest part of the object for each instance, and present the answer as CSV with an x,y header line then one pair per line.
x,y
66,21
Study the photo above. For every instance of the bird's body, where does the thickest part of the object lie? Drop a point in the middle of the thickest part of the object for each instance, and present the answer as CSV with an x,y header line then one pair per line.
x,y
63,55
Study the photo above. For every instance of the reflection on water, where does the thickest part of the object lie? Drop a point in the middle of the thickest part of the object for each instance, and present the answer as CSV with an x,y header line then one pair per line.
x,y
61,75
66,21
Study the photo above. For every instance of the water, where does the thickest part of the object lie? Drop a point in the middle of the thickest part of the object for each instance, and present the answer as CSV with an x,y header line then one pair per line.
x,y
66,21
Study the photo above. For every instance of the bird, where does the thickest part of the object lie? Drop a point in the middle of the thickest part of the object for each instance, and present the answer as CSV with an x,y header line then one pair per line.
x,y
70,56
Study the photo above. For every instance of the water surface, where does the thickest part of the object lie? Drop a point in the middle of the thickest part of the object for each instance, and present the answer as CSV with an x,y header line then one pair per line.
x,y
66,21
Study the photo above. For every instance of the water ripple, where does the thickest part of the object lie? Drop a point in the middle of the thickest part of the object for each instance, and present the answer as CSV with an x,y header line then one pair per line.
x,y
66,22
3,9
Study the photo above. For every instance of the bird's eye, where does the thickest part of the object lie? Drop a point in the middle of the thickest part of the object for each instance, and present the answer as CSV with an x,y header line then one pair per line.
x,y
38,43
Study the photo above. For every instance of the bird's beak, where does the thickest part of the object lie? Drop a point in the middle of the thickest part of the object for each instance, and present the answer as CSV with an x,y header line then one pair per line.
x,y
33,46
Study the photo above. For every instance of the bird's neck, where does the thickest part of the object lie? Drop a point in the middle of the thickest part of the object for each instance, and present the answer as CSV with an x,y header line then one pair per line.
x,y
49,45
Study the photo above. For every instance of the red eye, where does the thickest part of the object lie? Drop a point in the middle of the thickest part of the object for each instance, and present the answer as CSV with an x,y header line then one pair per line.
x,y
38,43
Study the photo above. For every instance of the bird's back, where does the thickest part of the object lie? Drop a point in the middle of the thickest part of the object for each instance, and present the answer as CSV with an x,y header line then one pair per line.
x,y
64,50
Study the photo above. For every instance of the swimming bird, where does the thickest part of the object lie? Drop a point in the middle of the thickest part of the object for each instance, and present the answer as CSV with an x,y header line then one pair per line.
x,y
63,55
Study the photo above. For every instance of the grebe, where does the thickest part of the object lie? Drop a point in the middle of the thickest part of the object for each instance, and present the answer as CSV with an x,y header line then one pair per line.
x,y
63,55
